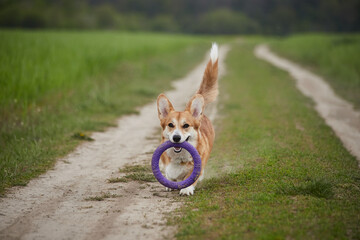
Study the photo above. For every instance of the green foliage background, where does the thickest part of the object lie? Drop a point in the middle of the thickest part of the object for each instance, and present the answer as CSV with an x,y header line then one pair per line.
x,y
190,16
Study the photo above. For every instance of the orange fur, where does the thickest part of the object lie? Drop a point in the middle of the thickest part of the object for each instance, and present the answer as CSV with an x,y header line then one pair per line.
x,y
209,86
192,125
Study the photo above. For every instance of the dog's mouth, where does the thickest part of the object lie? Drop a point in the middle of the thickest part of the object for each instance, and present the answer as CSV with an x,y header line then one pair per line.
x,y
178,149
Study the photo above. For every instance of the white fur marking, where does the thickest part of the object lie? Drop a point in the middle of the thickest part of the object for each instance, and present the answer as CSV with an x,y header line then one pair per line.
x,y
214,53
187,191
176,132
175,171
202,176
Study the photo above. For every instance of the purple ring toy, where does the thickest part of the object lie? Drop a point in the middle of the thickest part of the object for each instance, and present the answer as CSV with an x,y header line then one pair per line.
x,y
170,184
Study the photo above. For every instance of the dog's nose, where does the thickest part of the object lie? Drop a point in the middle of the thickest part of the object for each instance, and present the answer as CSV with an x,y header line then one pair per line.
x,y
176,138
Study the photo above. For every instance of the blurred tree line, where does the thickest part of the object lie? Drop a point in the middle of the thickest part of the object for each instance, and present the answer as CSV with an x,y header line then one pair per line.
x,y
190,16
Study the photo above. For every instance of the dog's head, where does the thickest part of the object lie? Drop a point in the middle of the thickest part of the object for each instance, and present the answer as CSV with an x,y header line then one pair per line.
x,y
180,126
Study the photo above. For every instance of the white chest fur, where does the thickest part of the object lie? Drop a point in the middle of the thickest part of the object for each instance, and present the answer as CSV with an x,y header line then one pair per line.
x,y
176,171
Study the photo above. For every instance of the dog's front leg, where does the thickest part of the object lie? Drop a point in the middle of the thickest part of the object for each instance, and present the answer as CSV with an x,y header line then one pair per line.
x,y
190,189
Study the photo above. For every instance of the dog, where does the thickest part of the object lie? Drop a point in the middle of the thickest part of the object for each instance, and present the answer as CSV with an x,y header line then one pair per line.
x,y
189,125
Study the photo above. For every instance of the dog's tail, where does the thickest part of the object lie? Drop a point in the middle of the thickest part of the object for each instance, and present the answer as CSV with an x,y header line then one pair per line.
x,y
209,85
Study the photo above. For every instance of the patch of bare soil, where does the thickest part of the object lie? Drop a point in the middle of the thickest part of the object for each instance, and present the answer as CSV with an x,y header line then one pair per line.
x,y
75,199
338,113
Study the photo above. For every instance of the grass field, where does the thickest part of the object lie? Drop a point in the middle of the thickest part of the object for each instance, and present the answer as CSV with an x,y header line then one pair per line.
x,y
57,87
336,57
278,171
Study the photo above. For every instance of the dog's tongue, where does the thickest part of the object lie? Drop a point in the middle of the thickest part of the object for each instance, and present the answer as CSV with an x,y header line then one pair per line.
x,y
177,148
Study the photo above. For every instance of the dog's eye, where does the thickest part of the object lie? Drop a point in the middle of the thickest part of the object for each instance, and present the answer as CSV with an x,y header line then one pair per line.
x,y
171,125
186,125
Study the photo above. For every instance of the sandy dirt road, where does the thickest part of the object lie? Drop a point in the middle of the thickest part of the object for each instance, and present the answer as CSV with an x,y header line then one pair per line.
x,y
338,113
54,206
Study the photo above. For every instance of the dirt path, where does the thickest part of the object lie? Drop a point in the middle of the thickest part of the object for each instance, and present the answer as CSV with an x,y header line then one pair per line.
x,y
338,113
54,206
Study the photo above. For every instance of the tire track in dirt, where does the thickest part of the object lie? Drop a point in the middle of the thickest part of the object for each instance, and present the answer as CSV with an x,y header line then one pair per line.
x,y
54,206
338,113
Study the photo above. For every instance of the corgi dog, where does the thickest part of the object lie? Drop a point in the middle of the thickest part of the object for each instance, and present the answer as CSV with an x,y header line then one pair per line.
x,y
189,125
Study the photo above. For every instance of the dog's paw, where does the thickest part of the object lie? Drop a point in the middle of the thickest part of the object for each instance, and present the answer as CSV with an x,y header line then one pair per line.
x,y
168,189
187,191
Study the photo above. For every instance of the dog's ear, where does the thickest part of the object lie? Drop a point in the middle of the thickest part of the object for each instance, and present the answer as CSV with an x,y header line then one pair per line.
x,y
164,106
196,106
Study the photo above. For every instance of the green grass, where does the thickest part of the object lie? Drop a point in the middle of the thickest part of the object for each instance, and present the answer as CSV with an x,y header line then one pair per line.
x,y
290,177
311,187
141,177
58,87
135,169
102,197
140,173
117,180
336,57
